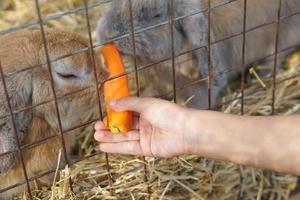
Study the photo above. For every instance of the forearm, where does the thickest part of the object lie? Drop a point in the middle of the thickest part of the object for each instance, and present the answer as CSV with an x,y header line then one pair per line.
x,y
267,142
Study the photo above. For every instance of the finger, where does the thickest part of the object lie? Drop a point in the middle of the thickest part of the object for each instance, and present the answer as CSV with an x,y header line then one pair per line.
x,y
135,114
100,126
106,136
137,104
136,123
131,147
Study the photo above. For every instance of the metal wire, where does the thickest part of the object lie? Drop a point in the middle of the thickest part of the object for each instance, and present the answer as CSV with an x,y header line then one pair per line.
x,y
53,17
45,45
242,87
133,40
96,87
171,33
209,65
73,11
275,65
275,57
145,67
209,68
148,66
170,22
150,28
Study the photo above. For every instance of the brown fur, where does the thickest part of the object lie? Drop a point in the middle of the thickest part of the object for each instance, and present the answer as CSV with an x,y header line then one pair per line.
x,y
24,49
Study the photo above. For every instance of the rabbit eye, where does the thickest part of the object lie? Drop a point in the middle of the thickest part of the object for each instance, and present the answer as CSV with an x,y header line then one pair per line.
x,y
67,76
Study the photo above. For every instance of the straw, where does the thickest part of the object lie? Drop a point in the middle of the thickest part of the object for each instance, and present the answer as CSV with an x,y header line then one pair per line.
x,y
187,177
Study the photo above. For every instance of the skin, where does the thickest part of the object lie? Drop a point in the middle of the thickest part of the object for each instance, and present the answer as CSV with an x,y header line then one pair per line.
x,y
267,142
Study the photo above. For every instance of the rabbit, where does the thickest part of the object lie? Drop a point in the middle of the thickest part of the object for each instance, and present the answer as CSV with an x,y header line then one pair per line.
x,y
153,45
24,49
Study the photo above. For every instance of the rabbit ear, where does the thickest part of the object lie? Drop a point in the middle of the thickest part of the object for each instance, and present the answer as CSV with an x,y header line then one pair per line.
x,y
194,27
195,30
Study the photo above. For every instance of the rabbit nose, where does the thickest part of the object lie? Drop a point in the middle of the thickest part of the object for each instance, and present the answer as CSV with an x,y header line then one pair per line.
x,y
87,71
103,75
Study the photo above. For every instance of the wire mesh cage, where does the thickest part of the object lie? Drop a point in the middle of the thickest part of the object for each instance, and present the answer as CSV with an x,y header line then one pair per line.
x,y
56,113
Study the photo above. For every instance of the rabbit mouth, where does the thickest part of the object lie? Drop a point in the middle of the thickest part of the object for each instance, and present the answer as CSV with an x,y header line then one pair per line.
x,y
7,162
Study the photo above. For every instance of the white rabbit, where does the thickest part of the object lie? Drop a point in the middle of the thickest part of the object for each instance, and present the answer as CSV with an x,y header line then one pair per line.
x,y
191,32
25,49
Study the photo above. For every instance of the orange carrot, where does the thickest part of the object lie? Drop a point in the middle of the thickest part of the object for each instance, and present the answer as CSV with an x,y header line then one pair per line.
x,y
118,122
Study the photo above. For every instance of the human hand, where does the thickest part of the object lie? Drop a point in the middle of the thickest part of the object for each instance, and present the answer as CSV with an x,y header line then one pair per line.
x,y
158,130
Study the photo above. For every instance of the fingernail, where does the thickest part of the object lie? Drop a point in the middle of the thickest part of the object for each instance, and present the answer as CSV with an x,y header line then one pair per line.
x,y
101,147
96,125
96,136
112,103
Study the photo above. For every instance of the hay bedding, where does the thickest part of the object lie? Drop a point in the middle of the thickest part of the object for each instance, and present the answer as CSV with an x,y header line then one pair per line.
x,y
188,177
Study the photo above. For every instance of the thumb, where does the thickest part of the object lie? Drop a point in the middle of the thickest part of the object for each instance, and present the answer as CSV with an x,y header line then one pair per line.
x,y
136,104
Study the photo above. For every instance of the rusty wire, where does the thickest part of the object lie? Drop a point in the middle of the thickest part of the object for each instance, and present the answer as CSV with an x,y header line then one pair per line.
x,y
274,73
132,34
76,10
171,33
209,64
45,45
215,74
97,45
137,84
150,28
275,56
96,85
242,87
218,73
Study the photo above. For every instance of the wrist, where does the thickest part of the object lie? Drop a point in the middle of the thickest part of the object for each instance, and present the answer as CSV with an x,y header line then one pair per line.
x,y
191,131
205,133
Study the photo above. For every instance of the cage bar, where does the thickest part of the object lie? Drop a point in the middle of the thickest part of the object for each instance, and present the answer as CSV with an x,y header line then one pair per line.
x,y
96,85
275,57
209,64
133,41
171,36
242,87
218,73
39,15
98,45
132,34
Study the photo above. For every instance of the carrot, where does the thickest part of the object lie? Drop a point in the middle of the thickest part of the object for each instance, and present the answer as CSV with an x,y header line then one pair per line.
x,y
118,122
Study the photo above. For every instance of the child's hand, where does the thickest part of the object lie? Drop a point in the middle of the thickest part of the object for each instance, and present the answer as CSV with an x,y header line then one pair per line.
x,y
158,129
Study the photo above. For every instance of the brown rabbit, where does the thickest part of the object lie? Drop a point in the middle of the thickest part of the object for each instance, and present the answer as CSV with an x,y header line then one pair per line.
x,y
19,51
